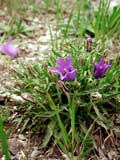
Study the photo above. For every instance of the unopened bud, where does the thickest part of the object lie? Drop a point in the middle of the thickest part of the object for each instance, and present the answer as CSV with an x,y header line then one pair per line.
x,y
96,96
78,85
36,88
81,59
88,45
78,102
62,86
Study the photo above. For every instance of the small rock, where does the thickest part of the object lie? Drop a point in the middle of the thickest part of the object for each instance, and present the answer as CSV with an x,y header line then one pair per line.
x,y
35,153
16,98
14,145
43,49
27,97
22,137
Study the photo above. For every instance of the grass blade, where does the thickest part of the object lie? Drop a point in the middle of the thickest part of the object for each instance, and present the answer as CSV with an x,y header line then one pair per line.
x,y
4,141
73,111
63,131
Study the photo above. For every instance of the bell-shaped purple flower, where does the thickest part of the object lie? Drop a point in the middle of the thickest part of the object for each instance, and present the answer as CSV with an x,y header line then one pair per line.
x,y
65,69
9,49
100,68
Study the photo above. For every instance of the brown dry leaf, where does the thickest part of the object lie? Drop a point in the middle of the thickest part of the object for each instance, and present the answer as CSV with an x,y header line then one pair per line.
x,y
112,155
2,98
97,140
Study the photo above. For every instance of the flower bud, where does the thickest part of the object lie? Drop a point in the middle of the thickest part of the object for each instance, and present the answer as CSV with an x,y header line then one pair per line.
x,y
78,102
82,58
88,44
36,88
96,96
78,85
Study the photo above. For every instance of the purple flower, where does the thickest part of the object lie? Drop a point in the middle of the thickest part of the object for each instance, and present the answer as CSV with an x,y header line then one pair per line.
x,y
100,68
65,69
9,49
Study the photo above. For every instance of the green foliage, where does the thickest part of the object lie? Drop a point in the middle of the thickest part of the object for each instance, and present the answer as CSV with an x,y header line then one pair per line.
x,y
16,26
100,22
4,141
70,115
106,23
84,103
4,113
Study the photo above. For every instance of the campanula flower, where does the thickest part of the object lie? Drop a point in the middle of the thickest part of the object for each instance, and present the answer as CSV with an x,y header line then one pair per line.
x,y
100,68
9,49
65,69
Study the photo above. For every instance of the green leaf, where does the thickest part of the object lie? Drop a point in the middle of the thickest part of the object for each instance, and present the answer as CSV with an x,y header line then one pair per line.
x,y
49,133
73,111
3,137
115,16
52,104
63,131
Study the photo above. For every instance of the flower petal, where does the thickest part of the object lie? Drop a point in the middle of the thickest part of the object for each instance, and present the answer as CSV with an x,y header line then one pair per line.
x,y
100,68
54,70
9,49
65,69
68,60
2,48
69,76
60,61
102,61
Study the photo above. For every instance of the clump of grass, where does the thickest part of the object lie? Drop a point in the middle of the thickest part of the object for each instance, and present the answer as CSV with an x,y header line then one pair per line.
x,y
99,23
106,23
17,26
18,11
85,103
70,112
